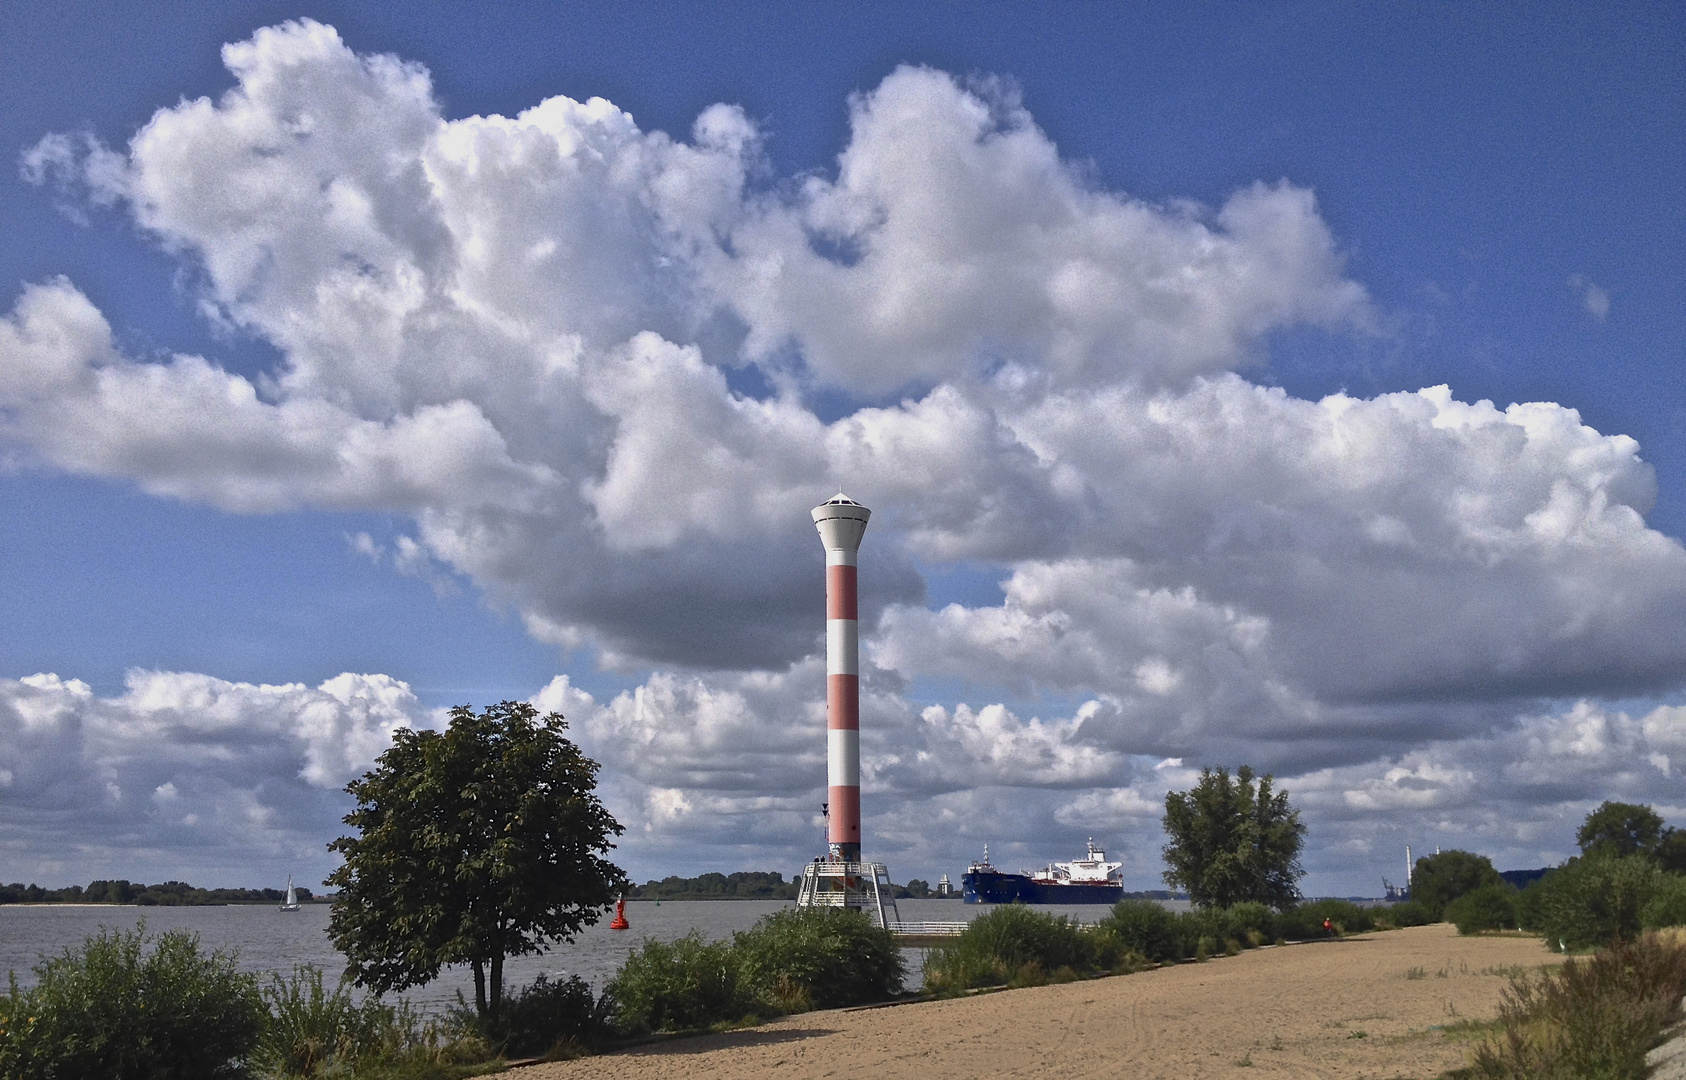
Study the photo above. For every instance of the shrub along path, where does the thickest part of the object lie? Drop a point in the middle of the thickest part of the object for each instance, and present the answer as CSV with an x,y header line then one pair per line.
x,y
1374,1005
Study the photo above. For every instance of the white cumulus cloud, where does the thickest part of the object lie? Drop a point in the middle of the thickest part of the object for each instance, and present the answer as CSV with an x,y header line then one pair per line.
x,y
524,334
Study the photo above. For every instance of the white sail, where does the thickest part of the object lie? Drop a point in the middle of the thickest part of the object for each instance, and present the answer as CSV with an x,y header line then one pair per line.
x,y
292,903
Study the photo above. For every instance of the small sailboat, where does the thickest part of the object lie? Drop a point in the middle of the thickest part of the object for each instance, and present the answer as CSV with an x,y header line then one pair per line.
x,y
292,903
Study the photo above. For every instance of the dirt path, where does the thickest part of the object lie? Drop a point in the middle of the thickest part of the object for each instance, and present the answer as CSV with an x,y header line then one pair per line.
x,y
1369,1006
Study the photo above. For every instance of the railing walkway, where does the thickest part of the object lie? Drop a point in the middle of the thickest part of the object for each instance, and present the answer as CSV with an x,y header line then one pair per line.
x,y
928,929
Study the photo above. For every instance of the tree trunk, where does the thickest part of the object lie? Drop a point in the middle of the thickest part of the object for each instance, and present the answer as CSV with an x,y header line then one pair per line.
x,y
497,983
479,990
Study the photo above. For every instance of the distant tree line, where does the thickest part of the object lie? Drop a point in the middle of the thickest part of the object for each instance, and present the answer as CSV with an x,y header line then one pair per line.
x,y
755,885
744,885
165,894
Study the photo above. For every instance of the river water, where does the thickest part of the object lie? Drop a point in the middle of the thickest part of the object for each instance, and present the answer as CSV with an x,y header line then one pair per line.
x,y
266,940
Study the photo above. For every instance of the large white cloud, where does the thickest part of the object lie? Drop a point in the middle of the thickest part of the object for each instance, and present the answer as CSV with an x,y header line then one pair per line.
x,y
185,771
524,334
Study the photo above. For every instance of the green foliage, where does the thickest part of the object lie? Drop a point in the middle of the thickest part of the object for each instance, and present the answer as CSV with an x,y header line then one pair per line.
x,y
1146,928
1015,945
310,1026
168,894
1671,851
1249,922
313,1031
1595,900
818,958
117,1010
1530,905
1305,922
1159,935
1667,905
743,885
789,961
1620,829
1407,913
555,1018
678,986
1592,1020
1233,840
474,844
1439,879
1491,907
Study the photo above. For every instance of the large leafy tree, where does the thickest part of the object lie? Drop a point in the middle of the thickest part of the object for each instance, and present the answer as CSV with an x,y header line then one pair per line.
x,y
1233,839
1441,878
473,844
1620,829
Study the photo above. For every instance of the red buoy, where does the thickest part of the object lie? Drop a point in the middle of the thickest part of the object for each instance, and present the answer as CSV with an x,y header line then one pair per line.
x,y
620,922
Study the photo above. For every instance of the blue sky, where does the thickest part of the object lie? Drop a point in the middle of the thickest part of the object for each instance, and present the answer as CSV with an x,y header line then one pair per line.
x,y
1502,187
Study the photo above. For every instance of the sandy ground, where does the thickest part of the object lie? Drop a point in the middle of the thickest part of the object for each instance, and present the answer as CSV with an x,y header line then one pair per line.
x,y
1375,1006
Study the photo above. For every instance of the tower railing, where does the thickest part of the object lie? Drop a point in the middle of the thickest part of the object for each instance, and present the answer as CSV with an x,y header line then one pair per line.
x,y
864,886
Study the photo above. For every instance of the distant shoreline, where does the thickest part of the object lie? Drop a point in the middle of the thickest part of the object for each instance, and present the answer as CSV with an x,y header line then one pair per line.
x,y
103,904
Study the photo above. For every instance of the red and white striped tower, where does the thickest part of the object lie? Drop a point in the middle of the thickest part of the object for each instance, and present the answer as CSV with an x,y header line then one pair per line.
x,y
842,522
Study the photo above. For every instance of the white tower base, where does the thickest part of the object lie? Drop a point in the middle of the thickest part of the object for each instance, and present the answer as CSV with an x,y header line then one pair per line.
x,y
863,886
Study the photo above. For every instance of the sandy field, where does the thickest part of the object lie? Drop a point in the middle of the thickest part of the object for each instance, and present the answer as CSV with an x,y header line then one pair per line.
x,y
1370,1006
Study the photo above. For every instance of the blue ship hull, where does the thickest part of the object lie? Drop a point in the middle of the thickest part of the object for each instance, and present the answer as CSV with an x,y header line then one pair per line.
x,y
994,887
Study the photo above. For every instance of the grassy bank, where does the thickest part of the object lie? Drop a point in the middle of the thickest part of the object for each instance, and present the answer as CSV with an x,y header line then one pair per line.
x,y
128,1005
1592,1019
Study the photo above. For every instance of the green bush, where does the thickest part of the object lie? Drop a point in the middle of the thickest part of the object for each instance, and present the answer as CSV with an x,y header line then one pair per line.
x,y
1596,900
818,958
117,1010
678,986
1667,906
1491,907
1013,944
1530,904
1249,924
1406,913
1592,1020
1146,928
1201,931
790,961
556,1018
1305,921
1156,934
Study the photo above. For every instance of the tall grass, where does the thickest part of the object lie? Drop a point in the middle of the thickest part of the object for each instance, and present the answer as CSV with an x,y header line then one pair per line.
x,y
1594,1019
317,1032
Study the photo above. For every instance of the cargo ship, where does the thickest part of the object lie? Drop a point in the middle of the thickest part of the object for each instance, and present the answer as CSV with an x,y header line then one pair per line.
x,y
1089,880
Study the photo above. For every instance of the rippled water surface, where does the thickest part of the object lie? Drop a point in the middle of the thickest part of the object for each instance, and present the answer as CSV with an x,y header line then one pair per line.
x,y
268,940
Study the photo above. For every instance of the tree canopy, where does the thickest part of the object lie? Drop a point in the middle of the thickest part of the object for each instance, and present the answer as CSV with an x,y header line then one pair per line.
x,y
1232,840
1441,878
473,844
1620,829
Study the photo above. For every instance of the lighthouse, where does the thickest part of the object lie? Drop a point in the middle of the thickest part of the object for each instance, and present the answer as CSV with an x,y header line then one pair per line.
x,y
842,522
840,878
